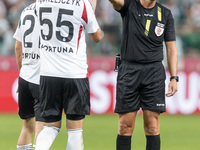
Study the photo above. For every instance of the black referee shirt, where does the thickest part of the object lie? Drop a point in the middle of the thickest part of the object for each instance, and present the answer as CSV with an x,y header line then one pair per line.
x,y
144,31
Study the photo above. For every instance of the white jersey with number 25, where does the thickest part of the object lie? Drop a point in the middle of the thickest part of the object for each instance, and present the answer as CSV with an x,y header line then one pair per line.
x,y
27,34
63,25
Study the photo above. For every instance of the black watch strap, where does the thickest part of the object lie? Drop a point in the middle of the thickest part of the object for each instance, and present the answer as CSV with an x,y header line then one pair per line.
x,y
174,77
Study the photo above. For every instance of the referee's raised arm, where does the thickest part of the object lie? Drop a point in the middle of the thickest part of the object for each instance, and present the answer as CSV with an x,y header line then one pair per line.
x,y
117,4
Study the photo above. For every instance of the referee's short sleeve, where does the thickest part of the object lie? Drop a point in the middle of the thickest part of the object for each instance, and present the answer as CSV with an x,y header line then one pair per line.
x,y
170,34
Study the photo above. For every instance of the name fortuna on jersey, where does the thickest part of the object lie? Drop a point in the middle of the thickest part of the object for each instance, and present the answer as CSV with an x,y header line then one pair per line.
x,y
30,56
57,49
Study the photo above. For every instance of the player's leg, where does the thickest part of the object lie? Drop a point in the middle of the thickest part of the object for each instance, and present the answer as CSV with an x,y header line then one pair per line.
x,y
47,135
34,88
126,127
75,132
152,129
51,111
38,129
76,106
25,138
26,113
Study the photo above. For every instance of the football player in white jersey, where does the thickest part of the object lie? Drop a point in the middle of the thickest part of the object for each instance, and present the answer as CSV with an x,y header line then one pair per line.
x,y
64,77
28,61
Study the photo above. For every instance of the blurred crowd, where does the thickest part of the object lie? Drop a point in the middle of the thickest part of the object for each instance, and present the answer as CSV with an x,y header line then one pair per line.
x,y
10,11
186,14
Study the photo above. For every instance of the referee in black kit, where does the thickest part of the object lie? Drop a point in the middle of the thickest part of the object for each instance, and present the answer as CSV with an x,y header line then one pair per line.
x,y
141,75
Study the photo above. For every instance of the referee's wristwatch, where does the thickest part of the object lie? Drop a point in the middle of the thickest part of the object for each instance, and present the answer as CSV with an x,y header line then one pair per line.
x,y
174,77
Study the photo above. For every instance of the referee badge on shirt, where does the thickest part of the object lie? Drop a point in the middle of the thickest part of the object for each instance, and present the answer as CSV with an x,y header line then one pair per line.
x,y
159,29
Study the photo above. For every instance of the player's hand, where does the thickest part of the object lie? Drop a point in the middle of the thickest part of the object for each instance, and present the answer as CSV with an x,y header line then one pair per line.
x,y
172,88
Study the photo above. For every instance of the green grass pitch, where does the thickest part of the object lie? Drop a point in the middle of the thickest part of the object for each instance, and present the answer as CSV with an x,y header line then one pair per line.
x,y
100,131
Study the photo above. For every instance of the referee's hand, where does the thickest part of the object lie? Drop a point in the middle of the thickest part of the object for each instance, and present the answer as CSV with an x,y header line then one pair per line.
x,y
172,88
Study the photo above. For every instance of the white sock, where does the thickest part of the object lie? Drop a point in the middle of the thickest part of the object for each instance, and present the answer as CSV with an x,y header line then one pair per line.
x,y
24,147
46,138
34,147
75,139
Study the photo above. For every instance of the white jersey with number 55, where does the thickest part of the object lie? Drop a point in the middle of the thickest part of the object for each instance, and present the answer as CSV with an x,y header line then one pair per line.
x,y
63,24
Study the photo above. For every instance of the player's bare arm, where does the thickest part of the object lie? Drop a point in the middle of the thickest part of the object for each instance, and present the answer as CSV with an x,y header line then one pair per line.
x,y
18,53
117,4
172,58
94,4
95,37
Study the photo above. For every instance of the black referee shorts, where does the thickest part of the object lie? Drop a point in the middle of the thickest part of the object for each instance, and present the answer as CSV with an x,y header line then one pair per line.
x,y
72,95
140,86
28,100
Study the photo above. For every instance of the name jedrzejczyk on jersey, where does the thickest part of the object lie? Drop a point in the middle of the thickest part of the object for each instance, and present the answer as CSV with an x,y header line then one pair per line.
x,y
71,2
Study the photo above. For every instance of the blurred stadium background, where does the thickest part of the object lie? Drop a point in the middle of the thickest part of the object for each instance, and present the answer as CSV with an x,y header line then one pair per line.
x,y
180,125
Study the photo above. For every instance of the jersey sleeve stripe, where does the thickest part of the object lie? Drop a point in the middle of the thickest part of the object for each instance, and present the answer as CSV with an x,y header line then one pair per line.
x,y
84,15
79,37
